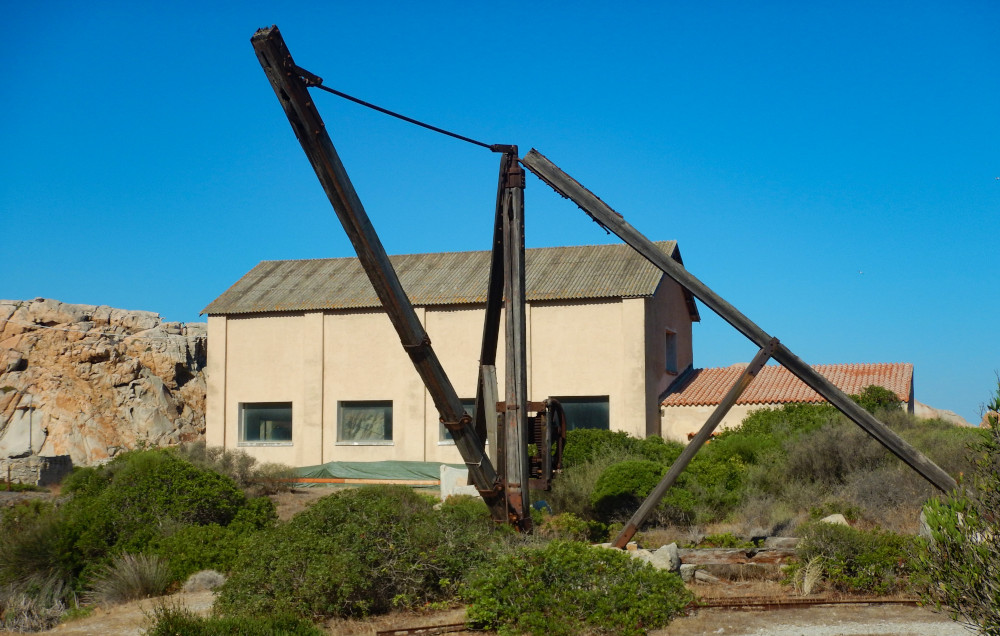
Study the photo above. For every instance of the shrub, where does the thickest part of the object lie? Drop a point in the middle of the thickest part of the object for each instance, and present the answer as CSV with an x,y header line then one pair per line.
x,y
867,562
140,495
874,398
169,621
961,567
203,580
571,491
622,487
33,606
569,527
35,547
571,588
585,445
129,577
588,445
354,553
254,479
135,504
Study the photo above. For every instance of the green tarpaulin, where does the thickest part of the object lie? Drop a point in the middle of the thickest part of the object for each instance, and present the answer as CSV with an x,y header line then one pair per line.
x,y
381,471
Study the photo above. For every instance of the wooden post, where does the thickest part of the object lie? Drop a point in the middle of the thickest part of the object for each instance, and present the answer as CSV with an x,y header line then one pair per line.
x,y
694,445
292,93
488,379
516,380
486,410
615,222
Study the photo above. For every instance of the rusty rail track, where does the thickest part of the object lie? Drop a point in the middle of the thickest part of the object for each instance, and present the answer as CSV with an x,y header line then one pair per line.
x,y
427,629
772,603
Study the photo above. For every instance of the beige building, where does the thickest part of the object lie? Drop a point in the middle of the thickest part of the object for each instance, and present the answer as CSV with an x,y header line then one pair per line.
x,y
305,368
690,401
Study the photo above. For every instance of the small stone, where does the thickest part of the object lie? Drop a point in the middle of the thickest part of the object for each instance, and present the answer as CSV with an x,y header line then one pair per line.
x,y
702,576
666,558
838,519
688,571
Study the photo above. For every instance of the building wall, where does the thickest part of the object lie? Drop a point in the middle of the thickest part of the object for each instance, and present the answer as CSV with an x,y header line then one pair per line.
x,y
679,421
666,311
317,360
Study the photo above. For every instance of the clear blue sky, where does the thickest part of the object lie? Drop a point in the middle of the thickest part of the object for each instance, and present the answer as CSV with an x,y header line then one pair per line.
x,y
829,168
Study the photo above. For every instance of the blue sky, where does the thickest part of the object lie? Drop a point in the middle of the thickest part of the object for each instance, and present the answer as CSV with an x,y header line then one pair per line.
x,y
829,168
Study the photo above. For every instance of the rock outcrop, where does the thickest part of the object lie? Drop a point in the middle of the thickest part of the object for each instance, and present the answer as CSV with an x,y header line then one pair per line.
x,y
91,381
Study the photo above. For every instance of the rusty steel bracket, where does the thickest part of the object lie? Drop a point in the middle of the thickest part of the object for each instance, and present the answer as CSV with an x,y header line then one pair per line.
x,y
307,77
456,426
514,177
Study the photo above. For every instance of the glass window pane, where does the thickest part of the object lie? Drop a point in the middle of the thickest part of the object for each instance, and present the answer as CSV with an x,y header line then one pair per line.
x,y
586,412
266,422
365,422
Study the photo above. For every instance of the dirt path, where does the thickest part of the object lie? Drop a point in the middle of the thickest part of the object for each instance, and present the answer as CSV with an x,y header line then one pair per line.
x,y
130,619
820,620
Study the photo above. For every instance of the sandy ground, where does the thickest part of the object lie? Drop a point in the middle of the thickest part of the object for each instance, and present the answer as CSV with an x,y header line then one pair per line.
x,y
861,619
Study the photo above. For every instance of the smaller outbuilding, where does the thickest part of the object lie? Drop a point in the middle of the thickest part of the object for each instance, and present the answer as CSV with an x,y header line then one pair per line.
x,y
688,403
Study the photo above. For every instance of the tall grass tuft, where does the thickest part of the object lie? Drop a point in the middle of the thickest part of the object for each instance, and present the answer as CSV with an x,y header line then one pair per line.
x,y
33,605
129,577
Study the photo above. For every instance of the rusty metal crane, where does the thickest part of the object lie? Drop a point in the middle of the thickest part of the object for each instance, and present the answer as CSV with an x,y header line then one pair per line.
x,y
505,487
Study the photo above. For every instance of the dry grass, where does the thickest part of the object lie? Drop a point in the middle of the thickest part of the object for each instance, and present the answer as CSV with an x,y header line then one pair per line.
x,y
129,577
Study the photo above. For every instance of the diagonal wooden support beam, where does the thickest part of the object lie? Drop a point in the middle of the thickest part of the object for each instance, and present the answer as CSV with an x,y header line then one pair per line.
x,y
695,444
601,212
292,93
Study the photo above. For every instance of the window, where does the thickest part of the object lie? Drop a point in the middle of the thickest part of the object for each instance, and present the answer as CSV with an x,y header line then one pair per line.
x,y
671,351
266,423
444,435
586,412
365,423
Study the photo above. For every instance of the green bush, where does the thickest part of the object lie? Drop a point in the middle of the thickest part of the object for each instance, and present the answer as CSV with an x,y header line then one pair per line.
x,y
859,561
357,552
622,487
571,588
171,621
874,399
586,445
137,503
569,527
961,567
256,480
140,495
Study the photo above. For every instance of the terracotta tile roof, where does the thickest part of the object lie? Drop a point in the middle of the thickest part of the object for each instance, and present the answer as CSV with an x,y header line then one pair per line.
x,y
775,385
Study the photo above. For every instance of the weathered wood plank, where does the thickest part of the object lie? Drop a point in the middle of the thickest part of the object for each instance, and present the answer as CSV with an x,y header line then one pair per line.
x,y
615,222
735,556
291,91
515,336
694,445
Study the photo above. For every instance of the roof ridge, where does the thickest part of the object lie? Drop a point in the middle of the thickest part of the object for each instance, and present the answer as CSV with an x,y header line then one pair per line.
x,y
449,252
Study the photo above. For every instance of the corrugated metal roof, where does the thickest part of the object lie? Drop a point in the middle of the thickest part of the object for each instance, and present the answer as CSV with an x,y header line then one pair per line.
x,y
448,278
776,385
